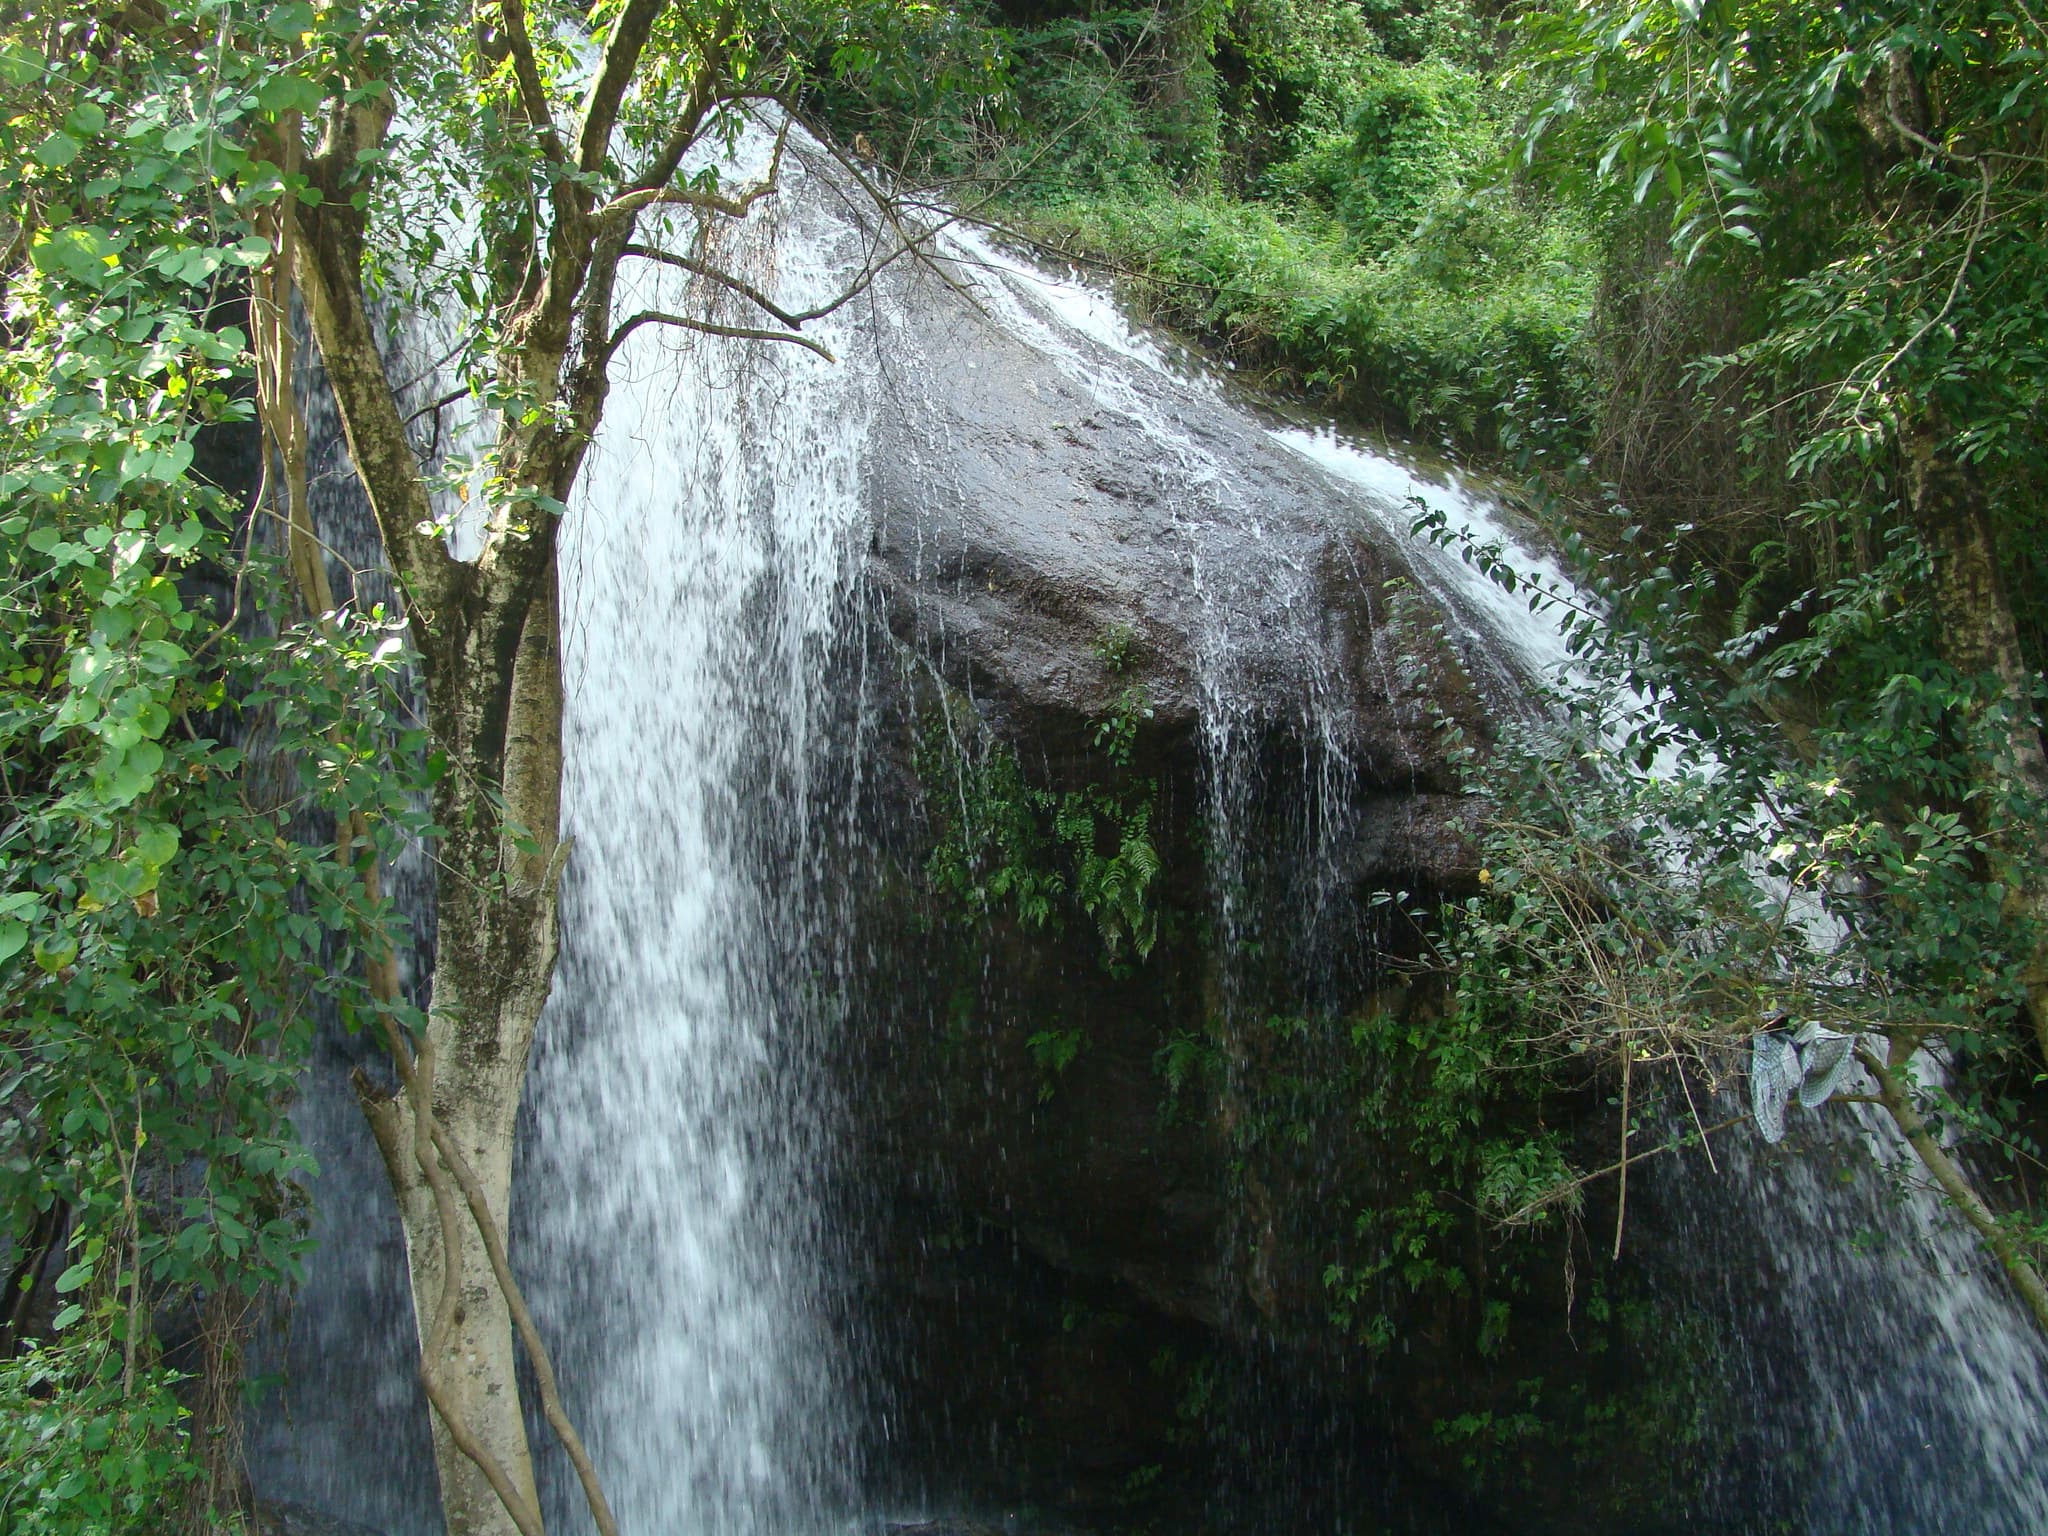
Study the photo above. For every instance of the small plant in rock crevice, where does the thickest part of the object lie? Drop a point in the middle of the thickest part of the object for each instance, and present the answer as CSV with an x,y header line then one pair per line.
x,y
1041,856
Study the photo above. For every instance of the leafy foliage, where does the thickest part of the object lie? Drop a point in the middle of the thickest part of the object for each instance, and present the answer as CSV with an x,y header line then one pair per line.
x,y
84,1454
1005,843
165,934
1802,777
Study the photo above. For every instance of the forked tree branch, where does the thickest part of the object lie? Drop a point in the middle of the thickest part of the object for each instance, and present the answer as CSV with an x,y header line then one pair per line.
x,y
635,199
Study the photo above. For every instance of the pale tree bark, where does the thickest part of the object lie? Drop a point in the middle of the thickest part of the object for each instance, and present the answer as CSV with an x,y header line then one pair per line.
x,y
1951,511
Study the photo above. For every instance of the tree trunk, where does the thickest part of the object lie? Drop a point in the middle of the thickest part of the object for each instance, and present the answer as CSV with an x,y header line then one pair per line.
x,y
494,962
472,1362
486,633
1980,638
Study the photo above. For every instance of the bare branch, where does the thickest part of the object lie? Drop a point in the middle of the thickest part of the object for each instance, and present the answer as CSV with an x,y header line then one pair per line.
x,y
443,403
725,280
711,328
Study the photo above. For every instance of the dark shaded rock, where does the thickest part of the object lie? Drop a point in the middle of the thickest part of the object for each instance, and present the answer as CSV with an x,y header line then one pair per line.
x,y
284,1519
1103,1283
1020,522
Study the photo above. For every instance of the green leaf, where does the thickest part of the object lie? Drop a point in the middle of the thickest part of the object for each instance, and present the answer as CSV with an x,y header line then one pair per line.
x,y
79,251
290,21
54,954
289,93
157,845
58,150
20,66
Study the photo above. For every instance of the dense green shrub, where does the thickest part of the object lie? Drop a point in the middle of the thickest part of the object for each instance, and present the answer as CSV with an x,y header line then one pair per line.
x,y
1373,252
86,1450
1474,327
1415,136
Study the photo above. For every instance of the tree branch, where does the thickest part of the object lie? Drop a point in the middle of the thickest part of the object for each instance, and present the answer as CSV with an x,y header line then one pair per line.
x,y
326,259
533,93
1552,1196
705,92
710,328
614,76
637,198
725,280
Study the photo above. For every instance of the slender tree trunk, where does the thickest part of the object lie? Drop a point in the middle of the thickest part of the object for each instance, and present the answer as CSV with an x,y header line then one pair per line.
x,y
472,1361
494,962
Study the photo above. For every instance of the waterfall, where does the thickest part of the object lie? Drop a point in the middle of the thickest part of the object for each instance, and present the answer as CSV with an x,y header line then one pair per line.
x,y
670,1198
678,1221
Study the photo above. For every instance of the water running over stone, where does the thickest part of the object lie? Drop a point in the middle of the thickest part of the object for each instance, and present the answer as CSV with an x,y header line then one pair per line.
x,y
772,567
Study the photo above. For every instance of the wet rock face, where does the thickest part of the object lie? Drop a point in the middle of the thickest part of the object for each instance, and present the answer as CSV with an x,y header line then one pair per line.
x,y
1038,556
1073,1258
286,1519
1020,522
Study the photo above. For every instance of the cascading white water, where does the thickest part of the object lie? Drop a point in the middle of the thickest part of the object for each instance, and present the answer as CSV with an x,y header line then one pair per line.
x,y
670,1208
670,1197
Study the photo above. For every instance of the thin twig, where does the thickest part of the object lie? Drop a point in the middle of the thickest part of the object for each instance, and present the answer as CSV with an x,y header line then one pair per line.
x,y
1552,1196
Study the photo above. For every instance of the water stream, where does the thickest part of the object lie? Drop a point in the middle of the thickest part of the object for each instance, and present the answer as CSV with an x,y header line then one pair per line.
x,y
675,1204
672,1224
